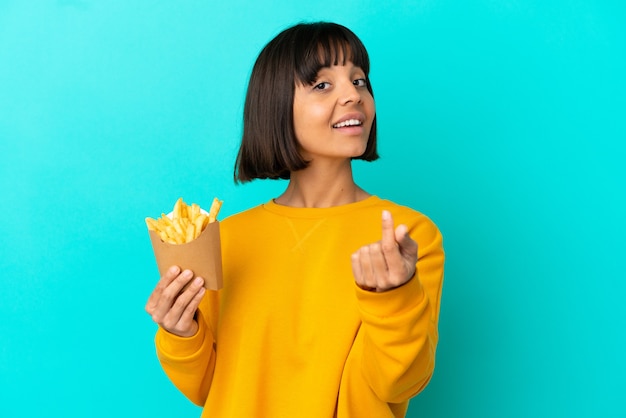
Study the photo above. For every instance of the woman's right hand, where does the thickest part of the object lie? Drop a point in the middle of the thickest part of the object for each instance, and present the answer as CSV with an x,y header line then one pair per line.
x,y
173,308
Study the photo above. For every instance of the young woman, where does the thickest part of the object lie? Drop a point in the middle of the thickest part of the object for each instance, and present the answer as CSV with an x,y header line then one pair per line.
x,y
327,309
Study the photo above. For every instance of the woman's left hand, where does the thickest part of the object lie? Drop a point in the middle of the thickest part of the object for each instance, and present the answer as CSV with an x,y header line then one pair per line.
x,y
388,263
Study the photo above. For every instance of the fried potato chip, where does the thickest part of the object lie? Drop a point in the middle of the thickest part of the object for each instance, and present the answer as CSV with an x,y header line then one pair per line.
x,y
185,223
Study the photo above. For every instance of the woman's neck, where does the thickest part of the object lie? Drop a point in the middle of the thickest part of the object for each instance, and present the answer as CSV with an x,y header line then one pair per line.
x,y
322,187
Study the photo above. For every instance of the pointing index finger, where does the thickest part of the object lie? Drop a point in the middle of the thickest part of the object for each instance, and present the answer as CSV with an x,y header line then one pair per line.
x,y
389,237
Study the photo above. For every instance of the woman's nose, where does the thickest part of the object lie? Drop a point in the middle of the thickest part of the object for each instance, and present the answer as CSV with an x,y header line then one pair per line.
x,y
350,94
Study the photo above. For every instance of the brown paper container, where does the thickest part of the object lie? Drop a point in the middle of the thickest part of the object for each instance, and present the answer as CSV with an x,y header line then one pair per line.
x,y
203,255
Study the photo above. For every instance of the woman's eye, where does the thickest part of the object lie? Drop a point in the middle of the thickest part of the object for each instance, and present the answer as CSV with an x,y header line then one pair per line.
x,y
360,82
321,86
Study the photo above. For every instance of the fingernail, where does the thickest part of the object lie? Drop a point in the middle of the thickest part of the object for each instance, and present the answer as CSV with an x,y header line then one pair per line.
x,y
187,274
174,270
198,281
386,215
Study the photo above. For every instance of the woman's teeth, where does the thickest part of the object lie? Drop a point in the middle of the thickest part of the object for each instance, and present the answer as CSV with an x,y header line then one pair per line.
x,y
349,122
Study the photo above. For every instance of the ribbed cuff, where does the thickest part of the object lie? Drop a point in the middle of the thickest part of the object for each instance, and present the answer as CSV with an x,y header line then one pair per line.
x,y
173,345
391,302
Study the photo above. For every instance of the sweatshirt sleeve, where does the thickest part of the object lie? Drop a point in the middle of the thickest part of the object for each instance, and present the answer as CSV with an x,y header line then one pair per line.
x,y
399,327
189,362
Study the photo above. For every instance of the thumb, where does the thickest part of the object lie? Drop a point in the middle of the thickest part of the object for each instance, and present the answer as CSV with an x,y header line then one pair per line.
x,y
407,245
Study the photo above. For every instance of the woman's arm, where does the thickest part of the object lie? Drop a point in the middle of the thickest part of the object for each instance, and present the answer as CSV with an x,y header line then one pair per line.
x,y
399,326
184,341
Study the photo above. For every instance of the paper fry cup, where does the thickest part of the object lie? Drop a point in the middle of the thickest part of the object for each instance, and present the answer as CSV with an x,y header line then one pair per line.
x,y
203,255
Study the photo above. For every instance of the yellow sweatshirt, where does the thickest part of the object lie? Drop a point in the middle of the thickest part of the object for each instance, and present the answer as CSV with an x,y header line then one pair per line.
x,y
291,335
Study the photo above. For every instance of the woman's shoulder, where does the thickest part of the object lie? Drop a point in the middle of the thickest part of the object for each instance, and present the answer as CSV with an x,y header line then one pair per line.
x,y
400,209
411,217
244,215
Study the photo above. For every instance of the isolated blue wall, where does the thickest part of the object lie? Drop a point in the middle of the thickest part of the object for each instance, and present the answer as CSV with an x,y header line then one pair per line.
x,y
504,121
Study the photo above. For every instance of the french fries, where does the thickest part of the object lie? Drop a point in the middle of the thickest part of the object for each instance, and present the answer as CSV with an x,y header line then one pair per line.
x,y
185,223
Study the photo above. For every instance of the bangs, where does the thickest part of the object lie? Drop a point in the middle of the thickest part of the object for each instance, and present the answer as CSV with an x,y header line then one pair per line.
x,y
325,45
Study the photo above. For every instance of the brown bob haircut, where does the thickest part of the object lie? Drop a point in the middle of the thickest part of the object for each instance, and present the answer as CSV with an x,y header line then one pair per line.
x,y
269,148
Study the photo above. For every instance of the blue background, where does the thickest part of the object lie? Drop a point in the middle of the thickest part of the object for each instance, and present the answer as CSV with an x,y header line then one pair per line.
x,y
504,121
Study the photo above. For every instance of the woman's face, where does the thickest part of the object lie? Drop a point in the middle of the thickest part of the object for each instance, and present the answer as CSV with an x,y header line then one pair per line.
x,y
333,116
